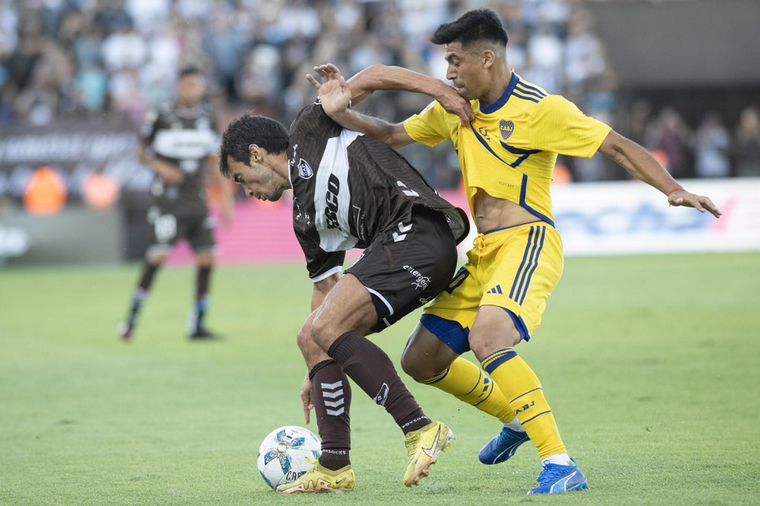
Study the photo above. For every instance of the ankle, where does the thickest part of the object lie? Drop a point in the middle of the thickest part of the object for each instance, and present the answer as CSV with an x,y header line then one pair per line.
x,y
561,459
334,458
515,425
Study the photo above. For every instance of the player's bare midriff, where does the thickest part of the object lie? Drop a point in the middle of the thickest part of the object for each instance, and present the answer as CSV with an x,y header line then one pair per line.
x,y
494,214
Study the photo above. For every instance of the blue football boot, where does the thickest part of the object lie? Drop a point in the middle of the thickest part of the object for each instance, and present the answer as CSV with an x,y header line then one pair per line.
x,y
502,447
557,479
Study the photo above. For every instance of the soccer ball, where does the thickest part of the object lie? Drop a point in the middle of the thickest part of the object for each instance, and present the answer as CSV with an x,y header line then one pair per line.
x,y
287,453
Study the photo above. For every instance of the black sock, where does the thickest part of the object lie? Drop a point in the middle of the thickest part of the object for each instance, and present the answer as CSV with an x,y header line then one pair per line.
x,y
331,397
141,294
202,281
371,369
148,273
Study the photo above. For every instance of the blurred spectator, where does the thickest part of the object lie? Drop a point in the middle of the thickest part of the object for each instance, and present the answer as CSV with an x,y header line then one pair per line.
x,y
120,57
124,49
111,16
225,46
8,29
671,135
712,148
31,43
638,120
584,54
747,144
545,53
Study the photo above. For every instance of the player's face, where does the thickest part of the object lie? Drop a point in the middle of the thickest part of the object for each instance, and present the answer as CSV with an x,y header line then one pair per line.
x,y
191,89
465,70
257,179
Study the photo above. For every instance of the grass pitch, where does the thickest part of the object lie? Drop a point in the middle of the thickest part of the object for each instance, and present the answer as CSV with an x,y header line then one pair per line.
x,y
651,365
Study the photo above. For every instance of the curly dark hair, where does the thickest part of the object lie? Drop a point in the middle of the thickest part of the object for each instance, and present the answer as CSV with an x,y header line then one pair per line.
x,y
472,26
246,130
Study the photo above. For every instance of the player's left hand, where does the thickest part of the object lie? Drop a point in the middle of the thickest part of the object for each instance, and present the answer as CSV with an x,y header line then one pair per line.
x,y
306,399
453,102
334,92
698,202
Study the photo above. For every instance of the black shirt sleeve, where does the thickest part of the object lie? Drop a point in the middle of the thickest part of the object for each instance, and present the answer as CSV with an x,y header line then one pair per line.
x,y
312,120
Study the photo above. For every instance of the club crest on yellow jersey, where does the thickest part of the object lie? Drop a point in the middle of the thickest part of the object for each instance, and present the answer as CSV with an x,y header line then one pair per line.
x,y
506,128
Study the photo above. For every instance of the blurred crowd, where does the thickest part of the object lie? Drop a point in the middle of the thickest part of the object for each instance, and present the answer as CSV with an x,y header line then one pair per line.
x,y
76,58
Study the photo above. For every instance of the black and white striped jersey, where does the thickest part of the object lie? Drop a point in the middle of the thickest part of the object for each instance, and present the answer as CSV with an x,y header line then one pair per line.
x,y
185,138
348,188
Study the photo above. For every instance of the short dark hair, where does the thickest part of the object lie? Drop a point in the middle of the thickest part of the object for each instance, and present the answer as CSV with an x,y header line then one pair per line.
x,y
246,130
472,26
190,70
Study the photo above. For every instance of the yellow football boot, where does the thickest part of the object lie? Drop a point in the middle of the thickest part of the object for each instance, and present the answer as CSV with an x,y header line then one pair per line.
x,y
321,479
423,447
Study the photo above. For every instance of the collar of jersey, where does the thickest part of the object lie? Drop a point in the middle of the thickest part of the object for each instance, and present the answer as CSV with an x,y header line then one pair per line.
x,y
488,109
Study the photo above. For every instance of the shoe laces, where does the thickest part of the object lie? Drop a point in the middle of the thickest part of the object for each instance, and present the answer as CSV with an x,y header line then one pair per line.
x,y
503,436
550,473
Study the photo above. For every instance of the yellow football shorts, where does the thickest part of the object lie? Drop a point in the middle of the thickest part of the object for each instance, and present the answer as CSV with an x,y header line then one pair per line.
x,y
515,268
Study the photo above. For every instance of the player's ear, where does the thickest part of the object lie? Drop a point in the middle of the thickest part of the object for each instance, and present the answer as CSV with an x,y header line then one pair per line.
x,y
488,58
255,153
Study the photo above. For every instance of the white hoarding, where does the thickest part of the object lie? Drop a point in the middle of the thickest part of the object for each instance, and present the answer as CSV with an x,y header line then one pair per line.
x,y
631,217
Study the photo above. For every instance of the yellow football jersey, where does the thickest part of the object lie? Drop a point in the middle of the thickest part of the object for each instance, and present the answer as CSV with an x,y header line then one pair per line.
x,y
511,147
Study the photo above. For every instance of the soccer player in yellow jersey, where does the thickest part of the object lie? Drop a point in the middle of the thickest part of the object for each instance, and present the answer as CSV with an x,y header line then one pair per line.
x,y
507,133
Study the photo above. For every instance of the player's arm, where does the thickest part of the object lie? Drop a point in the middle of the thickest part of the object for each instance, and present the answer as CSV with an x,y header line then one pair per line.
x,y
225,187
338,95
336,98
168,172
557,125
642,165
391,78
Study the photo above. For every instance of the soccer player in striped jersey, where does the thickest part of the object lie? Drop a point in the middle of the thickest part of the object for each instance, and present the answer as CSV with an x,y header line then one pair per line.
x,y
351,191
507,133
178,142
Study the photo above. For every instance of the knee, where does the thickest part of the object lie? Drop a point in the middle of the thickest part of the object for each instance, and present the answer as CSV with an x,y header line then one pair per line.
x,y
484,343
310,349
156,259
205,260
304,338
409,366
479,346
323,332
419,370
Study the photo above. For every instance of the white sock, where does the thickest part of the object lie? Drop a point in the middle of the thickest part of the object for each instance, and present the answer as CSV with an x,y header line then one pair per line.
x,y
562,459
515,425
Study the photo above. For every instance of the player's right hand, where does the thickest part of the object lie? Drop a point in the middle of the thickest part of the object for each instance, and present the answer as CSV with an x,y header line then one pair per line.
x,y
698,202
306,399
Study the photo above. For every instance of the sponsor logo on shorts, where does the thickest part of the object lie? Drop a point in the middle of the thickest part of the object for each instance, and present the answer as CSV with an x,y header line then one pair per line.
x,y
420,282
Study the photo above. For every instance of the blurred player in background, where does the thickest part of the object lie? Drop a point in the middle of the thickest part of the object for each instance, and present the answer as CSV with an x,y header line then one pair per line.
x,y
507,133
179,143
351,191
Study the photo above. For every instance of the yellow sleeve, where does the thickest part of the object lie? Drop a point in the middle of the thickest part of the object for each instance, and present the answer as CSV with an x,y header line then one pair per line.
x,y
429,127
560,127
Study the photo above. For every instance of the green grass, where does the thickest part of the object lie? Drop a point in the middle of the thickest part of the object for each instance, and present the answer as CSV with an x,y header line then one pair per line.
x,y
652,365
